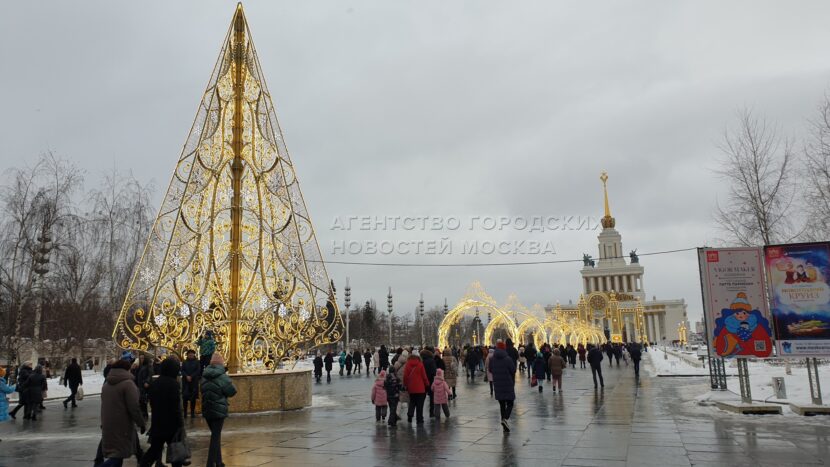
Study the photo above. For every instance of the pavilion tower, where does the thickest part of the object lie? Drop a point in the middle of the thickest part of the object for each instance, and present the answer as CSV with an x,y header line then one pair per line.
x,y
233,250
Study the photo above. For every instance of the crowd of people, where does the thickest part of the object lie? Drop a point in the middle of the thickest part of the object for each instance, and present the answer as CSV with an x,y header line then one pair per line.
x,y
413,376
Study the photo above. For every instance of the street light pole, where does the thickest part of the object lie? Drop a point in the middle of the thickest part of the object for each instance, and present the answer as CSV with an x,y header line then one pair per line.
x,y
348,292
421,313
389,309
446,310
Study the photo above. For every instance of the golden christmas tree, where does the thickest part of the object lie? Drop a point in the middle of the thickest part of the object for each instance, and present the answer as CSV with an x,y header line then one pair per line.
x,y
233,250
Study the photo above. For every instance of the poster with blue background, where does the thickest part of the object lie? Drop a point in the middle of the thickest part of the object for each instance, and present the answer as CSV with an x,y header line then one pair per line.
x,y
799,283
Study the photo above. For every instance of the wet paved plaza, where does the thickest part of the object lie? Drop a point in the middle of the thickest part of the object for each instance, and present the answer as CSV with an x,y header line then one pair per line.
x,y
655,423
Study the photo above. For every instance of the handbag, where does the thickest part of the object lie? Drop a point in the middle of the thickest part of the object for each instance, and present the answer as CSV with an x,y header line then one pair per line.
x,y
79,395
534,382
178,450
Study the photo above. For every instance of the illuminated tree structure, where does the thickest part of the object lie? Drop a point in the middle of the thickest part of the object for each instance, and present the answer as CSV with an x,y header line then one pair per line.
x,y
233,250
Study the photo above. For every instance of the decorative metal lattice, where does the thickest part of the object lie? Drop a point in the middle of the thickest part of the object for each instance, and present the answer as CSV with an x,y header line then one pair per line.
x,y
233,249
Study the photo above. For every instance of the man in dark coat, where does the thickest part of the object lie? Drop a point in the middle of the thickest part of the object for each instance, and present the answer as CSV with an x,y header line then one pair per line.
x,y
167,417
472,363
595,360
503,369
191,372
35,385
367,359
430,367
383,355
617,354
22,379
636,355
72,377
329,361
609,350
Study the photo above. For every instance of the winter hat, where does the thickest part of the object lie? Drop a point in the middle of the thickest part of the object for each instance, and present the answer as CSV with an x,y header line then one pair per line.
x,y
382,374
439,373
127,356
217,359
741,303
556,351
500,345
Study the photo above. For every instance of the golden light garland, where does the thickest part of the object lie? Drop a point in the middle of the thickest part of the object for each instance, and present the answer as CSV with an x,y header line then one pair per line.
x,y
233,249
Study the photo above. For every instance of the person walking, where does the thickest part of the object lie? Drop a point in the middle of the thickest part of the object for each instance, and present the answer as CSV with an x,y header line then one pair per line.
x,y
617,353
349,364
357,360
539,370
216,389
342,361
142,380
392,386
383,356
595,360
636,355
430,367
379,398
73,378
367,360
571,354
376,361
120,415
23,374
36,386
398,368
489,374
557,366
167,417
530,356
207,346
191,373
440,395
472,363
416,383
318,367
609,350
522,359
582,352
4,400
450,371
329,362
503,371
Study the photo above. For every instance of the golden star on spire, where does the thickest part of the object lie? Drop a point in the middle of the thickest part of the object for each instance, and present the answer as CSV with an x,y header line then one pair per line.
x,y
607,221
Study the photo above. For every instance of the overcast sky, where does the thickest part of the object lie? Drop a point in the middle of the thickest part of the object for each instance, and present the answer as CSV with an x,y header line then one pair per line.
x,y
438,108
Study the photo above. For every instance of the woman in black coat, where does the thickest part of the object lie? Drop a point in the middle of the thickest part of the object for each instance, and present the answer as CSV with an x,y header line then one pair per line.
x,y
167,418
191,372
503,369
329,361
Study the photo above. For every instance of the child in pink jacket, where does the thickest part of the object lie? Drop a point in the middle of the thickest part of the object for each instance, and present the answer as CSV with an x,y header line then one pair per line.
x,y
379,397
440,395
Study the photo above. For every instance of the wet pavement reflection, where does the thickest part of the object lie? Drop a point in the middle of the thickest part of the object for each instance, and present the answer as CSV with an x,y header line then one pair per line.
x,y
653,423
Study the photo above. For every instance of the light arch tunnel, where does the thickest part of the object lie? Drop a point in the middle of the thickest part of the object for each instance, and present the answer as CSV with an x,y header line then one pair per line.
x,y
520,328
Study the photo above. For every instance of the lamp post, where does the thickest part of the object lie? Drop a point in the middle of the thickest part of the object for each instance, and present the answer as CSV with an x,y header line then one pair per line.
x,y
41,267
348,293
446,310
421,313
389,309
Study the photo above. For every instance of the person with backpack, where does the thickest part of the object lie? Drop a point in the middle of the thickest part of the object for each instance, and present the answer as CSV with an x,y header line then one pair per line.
x,y
539,367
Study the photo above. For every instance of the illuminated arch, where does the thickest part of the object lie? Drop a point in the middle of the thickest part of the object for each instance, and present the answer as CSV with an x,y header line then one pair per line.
x,y
531,325
475,297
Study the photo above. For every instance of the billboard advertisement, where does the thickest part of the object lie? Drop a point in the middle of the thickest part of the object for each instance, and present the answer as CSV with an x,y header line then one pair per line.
x,y
799,285
735,303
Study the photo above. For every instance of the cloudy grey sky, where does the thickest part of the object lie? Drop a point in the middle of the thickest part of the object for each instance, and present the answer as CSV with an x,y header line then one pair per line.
x,y
438,108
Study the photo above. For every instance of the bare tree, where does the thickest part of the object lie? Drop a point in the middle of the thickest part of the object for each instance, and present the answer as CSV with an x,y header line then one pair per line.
x,y
817,171
758,165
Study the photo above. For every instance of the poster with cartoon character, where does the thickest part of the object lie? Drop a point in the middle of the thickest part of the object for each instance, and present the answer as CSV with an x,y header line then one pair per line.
x,y
800,295
735,303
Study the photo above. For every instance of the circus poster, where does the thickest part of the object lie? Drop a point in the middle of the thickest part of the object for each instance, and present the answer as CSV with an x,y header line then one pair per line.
x,y
734,301
799,279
